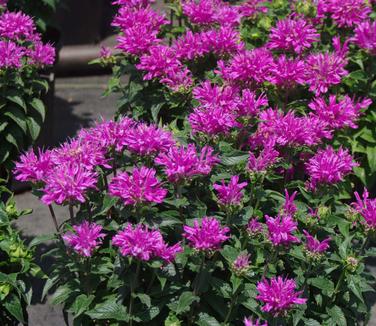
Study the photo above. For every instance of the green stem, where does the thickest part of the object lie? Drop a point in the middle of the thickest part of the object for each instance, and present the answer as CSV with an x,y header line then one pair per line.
x,y
339,283
133,287
71,213
198,277
364,246
232,304
53,216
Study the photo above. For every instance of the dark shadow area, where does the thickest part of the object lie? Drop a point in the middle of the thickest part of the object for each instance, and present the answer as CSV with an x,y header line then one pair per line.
x,y
65,122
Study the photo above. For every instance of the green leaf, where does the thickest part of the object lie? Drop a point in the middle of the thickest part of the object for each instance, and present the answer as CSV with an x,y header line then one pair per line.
x,y
41,239
48,285
207,320
18,100
38,105
184,302
337,315
109,309
229,161
144,298
14,307
62,293
34,126
18,117
371,156
81,304
311,322
324,284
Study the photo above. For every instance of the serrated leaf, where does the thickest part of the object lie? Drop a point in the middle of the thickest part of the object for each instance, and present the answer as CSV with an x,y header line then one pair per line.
x,y
184,302
18,117
62,294
18,100
234,160
337,315
81,304
322,283
14,307
207,320
109,309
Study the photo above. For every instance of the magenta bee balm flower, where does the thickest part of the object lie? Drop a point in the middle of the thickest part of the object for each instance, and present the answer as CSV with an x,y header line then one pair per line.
x,y
183,163
329,166
280,230
141,186
315,246
206,235
278,295
144,244
365,36
293,35
230,194
366,207
86,238
251,322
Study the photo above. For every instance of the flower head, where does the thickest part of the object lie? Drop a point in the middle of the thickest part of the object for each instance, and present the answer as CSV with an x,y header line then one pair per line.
x,y
267,157
183,163
339,113
280,230
328,166
324,70
292,35
32,167
86,238
279,295
365,36
347,13
254,226
17,25
11,55
251,322
206,235
250,104
287,73
241,263
68,182
148,140
141,186
230,194
253,7
42,54
144,244
366,207
289,208
315,246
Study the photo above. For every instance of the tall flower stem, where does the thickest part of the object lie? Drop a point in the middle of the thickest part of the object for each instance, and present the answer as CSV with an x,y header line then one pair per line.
x,y
133,287
196,285
339,284
54,218
71,213
232,304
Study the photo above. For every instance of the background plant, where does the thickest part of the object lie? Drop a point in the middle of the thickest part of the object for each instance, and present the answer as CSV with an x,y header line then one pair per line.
x,y
230,193
17,266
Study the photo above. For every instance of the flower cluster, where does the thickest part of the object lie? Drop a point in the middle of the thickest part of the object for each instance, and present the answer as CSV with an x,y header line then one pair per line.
x,y
21,44
144,244
85,239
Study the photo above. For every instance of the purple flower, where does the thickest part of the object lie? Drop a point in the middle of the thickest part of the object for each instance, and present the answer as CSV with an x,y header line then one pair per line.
x,y
68,182
183,163
339,113
230,194
141,186
267,157
252,7
250,104
17,25
315,246
42,54
139,29
86,239
11,55
329,167
241,263
33,167
251,322
254,226
280,230
144,244
289,129
212,121
105,52
148,140
347,13
207,235
249,66
3,3
365,36
162,62
289,208
324,70
279,295
287,73
366,207
292,35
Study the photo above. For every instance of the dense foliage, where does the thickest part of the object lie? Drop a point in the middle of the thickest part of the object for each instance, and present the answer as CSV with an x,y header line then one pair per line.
x,y
17,266
229,188
22,55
